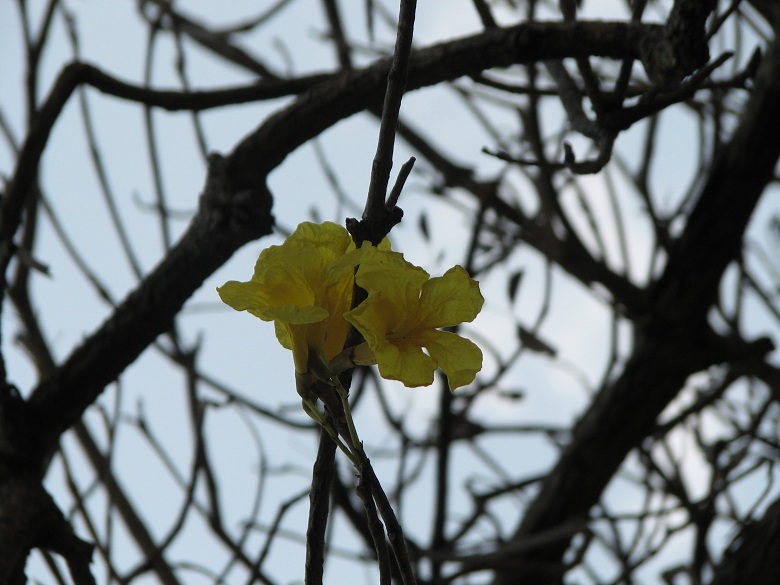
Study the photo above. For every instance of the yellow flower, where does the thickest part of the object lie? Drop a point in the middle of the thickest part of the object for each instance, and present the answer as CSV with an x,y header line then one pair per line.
x,y
304,286
403,312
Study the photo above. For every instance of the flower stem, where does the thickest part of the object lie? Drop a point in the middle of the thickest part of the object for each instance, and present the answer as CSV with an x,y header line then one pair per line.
x,y
356,444
311,409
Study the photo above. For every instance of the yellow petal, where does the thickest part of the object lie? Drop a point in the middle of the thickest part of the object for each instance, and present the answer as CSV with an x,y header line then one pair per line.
x,y
299,344
402,313
283,334
296,315
374,318
328,237
288,274
253,297
304,286
450,299
336,295
457,357
398,359
406,363
399,281
384,244
242,296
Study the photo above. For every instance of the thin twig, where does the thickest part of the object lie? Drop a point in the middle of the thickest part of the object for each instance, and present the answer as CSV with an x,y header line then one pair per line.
x,y
364,491
375,213
403,174
151,146
395,533
319,508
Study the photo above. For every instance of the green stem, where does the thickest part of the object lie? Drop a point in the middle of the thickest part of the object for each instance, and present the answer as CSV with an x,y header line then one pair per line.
x,y
311,409
356,444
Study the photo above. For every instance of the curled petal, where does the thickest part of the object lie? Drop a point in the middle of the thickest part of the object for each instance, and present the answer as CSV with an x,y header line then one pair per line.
x,y
398,359
297,315
458,357
295,338
242,296
399,281
251,296
450,299
328,237
374,318
407,363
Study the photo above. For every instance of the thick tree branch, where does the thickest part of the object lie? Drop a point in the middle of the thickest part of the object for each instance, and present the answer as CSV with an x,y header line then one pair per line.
x,y
30,520
682,47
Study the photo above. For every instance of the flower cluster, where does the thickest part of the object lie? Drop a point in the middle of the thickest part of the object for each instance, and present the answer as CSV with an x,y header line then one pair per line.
x,y
305,287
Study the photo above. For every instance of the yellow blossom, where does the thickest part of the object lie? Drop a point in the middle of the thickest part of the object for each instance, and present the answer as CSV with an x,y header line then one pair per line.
x,y
304,286
403,312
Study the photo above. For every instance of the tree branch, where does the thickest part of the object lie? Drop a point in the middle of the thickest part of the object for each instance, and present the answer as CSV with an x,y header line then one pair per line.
x,y
319,508
674,340
377,219
227,218
235,206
